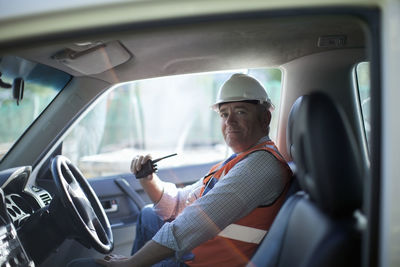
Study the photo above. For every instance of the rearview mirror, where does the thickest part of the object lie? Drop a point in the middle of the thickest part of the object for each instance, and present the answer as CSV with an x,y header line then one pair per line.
x,y
18,89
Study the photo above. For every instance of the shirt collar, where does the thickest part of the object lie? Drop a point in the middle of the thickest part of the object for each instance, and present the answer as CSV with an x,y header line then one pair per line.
x,y
262,140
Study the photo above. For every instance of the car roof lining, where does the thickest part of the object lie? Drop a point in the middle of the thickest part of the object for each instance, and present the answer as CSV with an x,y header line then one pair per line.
x,y
212,46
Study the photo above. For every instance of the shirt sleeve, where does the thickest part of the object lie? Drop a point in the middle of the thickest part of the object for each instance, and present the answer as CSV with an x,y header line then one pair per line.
x,y
256,180
174,200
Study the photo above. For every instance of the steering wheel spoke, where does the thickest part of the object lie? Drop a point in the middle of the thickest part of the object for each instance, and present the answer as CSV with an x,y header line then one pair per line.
x,y
81,201
101,233
69,177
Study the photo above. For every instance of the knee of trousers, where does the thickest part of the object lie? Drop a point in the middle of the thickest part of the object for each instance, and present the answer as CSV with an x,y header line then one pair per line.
x,y
148,215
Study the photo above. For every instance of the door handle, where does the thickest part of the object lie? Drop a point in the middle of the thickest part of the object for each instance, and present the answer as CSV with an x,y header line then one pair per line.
x,y
110,205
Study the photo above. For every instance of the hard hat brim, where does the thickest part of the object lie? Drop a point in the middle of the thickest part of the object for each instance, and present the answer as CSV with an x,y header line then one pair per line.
x,y
215,106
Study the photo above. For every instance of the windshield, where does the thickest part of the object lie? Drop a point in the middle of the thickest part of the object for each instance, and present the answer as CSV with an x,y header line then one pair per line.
x,y
40,85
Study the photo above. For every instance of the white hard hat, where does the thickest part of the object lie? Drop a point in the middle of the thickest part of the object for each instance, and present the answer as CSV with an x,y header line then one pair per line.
x,y
241,87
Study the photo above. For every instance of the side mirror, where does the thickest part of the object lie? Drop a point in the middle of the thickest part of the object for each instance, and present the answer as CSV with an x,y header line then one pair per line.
x,y
18,89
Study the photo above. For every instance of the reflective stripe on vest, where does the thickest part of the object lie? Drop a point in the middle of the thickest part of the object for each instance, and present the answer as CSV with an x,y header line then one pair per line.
x,y
243,233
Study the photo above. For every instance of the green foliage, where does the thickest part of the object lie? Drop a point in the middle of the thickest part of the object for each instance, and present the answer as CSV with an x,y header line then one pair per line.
x,y
16,118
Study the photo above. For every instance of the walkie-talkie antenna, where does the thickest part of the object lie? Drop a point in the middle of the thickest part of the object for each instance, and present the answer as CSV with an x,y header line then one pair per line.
x,y
150,167
157,160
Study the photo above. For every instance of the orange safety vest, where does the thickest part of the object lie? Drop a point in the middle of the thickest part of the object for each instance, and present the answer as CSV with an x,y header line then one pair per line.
x,y
235,245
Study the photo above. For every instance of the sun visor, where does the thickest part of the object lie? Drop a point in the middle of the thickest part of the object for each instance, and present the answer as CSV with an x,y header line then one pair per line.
x,y
93,58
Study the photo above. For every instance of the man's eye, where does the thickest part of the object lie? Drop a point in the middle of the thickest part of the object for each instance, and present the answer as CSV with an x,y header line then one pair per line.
x,y
241,112
223,115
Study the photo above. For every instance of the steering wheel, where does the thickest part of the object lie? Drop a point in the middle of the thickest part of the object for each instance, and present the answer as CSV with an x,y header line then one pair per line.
x,y
83,205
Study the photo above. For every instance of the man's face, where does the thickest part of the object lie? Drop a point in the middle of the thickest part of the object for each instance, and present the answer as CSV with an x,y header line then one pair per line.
x,y
241,126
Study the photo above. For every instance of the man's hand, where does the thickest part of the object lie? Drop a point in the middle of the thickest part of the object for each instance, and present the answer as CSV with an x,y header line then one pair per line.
x,y
114,261
137,163
148,255
151,183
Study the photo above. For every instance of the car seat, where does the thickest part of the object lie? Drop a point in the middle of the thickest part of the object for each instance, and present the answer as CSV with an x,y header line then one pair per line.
x,y
317,226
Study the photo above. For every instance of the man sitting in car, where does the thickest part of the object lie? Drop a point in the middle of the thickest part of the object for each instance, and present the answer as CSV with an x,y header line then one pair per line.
x,y
221,219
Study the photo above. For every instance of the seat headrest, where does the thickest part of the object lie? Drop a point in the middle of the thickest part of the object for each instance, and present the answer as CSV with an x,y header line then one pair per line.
x,y
326,155
289,129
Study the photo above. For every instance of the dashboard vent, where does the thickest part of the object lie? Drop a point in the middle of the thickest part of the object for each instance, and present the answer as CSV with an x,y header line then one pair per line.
x,y
46,198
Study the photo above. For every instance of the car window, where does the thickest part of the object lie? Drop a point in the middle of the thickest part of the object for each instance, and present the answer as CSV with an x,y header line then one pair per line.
x,y
364,90
41,85
158,116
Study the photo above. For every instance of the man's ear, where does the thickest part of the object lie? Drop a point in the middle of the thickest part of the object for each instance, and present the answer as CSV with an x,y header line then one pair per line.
x,y
265,119
268,117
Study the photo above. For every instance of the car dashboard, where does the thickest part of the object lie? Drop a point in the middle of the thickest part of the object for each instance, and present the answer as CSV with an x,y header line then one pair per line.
x,y
17,203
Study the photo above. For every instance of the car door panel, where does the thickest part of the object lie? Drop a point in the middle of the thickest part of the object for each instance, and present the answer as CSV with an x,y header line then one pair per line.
x,y
122,204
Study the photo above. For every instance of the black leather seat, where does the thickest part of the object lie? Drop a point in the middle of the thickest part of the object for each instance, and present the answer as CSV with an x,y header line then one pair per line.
x,y
317,226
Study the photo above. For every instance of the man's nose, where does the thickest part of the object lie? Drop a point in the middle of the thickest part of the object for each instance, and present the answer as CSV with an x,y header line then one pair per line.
x,y
231,118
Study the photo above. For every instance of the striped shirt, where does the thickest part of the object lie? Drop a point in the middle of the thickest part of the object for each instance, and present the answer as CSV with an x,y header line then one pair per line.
x,y
257,180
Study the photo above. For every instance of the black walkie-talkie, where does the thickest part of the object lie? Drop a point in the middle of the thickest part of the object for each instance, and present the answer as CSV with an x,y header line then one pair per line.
x,y
150,166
